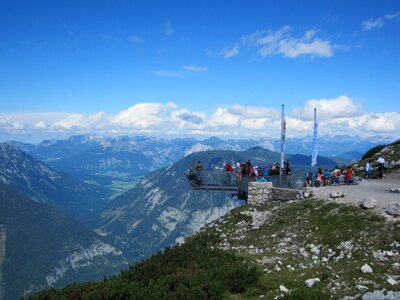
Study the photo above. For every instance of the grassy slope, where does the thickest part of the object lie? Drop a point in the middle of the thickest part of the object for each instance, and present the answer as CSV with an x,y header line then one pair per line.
x,y
289,243
288,237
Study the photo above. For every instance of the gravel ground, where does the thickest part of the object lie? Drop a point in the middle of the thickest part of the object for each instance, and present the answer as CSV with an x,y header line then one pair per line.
x,y
378,189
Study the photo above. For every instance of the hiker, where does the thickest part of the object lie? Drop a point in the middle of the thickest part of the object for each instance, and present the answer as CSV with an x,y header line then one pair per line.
x,y
349,175
265,170
199,166
307,182
238,164
193,179
229,169
287,170
255,171
337,174
327,177
381,165
320,169
368,169
199,169
319,180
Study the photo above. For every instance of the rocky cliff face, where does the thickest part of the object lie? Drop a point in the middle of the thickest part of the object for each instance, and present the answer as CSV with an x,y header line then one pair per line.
x,y
162,209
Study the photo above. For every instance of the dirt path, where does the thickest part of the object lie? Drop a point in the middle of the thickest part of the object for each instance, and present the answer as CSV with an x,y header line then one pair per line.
x,y
378,189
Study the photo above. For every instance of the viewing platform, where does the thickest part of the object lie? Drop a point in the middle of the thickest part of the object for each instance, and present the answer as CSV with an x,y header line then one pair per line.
x,y
230,182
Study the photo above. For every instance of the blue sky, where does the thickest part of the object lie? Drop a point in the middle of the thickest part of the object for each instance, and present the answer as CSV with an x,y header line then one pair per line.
x,y
198,68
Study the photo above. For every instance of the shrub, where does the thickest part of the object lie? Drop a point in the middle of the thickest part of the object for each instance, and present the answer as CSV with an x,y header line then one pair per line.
x,y
373,151
194,270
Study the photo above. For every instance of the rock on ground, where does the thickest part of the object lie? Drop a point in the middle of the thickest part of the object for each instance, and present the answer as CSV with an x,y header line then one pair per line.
x,y
310,282
394,209
369,202
366,269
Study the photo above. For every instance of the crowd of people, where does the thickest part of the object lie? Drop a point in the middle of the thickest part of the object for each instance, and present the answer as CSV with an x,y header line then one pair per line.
x,y
240,169
331,177
346,175
324,177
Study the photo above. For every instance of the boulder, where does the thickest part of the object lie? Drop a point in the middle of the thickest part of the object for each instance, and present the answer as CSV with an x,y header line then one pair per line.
x,y
336,194
391,281
379,295
366,269
283,289
310,282
361,288
393,209
369,202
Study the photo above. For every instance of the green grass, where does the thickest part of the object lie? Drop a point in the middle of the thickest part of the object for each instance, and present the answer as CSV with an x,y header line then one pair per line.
x,y
300,224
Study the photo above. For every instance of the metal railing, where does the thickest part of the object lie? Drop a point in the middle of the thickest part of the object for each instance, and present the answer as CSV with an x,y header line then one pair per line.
x,y
230,181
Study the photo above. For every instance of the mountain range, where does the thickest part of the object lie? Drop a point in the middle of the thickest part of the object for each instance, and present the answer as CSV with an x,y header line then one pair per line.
x,y
40,200
43,184
118,163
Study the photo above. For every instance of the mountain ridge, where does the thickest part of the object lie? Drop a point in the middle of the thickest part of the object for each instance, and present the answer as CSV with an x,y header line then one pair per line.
x,y
43,184
43,247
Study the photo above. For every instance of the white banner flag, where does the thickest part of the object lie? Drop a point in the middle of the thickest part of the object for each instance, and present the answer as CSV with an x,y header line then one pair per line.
x,y
283,137
315,141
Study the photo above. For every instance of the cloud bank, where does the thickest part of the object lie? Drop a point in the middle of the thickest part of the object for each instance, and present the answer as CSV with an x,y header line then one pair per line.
x,y
340,115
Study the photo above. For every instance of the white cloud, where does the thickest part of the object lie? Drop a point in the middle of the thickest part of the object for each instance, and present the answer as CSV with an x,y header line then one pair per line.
x,y
340,115
72,121
342,106
379,22
80,122
222,117
143,115
372,23
281,42
40,125
10,125
230,52
392,16
305,46
384,122
192,68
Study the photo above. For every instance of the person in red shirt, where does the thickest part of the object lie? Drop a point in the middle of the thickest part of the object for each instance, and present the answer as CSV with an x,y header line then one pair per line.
x,y
349,175
229,169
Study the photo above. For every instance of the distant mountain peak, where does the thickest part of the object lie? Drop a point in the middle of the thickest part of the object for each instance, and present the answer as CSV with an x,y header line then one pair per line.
x,y
197,148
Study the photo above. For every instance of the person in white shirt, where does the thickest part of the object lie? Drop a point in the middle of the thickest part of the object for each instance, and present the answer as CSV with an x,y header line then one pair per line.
x,y
368,168
381,165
